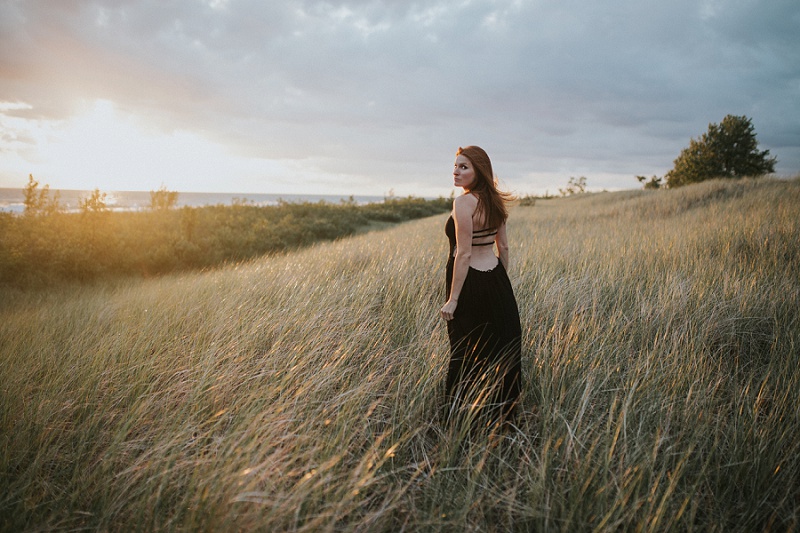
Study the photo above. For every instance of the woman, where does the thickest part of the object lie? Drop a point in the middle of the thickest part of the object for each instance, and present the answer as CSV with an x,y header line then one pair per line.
x,y
481,311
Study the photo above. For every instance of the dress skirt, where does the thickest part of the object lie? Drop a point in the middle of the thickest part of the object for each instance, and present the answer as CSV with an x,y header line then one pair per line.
x,y
485,368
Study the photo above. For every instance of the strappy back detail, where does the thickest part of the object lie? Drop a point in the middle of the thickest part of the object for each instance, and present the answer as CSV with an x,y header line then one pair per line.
x,y
482,233
450,230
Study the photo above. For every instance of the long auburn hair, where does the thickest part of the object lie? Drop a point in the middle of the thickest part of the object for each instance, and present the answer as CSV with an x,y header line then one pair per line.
x,y
491,201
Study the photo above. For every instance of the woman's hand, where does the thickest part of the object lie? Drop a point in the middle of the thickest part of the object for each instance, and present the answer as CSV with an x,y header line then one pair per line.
x,y
449,309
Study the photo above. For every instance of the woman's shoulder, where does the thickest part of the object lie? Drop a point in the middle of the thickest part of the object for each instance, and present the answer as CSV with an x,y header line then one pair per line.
x,y
466,200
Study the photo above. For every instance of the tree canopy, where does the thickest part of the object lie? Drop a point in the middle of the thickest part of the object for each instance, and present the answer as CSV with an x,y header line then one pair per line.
x,y
727,150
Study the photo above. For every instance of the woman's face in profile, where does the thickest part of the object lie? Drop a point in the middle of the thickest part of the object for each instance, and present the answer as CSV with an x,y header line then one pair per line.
x,y
463,173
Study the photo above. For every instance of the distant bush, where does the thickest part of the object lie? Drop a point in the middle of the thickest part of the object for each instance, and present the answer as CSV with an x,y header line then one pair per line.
x,y
574,186
98,243
94,203
653,183
163,199
38,200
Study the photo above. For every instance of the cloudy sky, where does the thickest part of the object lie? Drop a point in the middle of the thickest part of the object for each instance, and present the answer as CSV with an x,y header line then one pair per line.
x,y
371,96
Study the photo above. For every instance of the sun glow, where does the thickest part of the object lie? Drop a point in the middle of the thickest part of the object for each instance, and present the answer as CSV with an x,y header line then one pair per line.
x,y
105,148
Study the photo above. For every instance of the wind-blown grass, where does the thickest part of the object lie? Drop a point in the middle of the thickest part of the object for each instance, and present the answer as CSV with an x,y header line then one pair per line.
x,y
661,358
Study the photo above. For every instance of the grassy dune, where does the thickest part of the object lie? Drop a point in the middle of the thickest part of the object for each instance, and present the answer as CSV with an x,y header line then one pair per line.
x,y
302,392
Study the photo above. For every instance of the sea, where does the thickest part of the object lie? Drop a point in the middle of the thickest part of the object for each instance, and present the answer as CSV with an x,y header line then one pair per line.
x,y
13,200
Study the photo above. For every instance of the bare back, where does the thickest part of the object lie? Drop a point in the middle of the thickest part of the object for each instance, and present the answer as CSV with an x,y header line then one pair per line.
x,y
473,239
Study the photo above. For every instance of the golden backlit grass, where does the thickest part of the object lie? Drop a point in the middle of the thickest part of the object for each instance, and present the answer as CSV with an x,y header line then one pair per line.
x,y
303,392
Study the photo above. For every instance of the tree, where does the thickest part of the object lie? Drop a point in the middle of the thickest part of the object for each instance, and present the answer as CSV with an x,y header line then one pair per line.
x,y
38,201
726,150
163,199
574,186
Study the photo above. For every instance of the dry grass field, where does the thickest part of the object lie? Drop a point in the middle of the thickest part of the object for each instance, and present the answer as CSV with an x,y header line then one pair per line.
x,y
302,392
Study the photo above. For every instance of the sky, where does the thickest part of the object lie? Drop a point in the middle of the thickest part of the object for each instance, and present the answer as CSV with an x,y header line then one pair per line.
x,y
373,97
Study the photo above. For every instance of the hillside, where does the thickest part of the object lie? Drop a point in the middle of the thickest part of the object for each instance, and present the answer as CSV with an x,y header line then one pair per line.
x,y
301,392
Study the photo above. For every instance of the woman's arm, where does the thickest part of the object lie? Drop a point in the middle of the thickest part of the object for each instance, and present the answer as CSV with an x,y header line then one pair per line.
x,y
502,245
463,208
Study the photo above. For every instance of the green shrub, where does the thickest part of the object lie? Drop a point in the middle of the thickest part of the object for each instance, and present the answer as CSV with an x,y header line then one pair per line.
x,y
55,246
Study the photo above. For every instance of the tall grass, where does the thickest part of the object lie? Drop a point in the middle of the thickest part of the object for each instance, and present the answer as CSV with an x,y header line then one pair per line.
x,y
303,392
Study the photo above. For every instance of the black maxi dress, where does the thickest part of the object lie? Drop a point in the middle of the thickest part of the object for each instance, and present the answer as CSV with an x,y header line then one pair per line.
x,y
485,339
